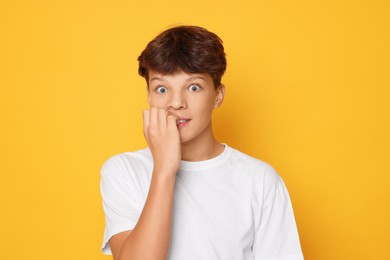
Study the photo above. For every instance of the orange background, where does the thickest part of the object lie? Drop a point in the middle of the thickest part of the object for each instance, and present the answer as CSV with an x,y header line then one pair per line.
x,y
307,91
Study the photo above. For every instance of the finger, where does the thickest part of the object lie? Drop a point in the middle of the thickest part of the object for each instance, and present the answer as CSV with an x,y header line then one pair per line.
x,y
162,118
145,116
169,113
172,121
153,120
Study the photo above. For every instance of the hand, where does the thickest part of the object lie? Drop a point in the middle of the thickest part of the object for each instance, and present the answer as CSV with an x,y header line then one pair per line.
x,y
162,135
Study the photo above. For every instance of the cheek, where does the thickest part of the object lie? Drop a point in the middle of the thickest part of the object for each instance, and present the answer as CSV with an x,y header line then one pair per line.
x,y
156,102
206,108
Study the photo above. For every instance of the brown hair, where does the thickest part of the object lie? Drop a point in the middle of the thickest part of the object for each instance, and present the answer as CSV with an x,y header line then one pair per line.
x,y
191,49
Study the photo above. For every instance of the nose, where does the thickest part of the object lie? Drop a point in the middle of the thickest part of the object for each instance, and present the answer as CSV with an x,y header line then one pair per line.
x,y
177,101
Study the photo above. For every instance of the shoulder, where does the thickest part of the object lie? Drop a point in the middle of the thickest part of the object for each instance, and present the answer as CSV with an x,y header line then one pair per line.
x,y
268,183
126,162
263,171
248,161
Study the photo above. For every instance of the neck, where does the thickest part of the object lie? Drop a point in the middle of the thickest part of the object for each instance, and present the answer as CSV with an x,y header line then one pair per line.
x,y
202,148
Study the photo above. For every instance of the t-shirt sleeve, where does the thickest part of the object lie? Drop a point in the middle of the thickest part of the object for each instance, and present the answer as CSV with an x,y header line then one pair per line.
x,y
276,234
119,198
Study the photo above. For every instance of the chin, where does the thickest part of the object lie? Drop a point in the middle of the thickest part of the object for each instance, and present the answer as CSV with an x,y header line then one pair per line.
x,y
185,139
193,136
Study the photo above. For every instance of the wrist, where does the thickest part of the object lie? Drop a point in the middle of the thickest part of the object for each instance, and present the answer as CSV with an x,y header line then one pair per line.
x,y
165,170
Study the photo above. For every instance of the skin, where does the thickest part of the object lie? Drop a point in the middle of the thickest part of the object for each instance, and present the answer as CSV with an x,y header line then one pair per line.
x,y
190,96
179,95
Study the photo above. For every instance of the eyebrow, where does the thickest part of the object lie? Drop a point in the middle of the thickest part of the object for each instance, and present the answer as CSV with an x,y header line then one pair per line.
x,y
195,77
189,79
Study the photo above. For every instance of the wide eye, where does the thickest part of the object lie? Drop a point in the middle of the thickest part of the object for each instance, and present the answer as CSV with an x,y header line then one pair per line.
x,y
194,88
161,90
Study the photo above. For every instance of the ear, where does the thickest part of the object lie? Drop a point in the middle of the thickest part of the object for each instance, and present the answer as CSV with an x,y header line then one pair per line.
x,y
220,94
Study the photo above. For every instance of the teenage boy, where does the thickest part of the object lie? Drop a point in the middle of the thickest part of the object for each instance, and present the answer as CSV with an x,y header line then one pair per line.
x,y
187,196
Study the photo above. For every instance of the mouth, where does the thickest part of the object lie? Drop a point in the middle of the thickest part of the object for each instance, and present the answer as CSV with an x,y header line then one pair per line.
x,y
182,122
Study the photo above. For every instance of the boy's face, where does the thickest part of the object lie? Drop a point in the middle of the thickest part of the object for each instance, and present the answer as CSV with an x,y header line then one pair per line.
x,y
191,97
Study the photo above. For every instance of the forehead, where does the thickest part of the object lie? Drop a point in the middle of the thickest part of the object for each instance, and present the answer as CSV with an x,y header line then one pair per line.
x,y
179,76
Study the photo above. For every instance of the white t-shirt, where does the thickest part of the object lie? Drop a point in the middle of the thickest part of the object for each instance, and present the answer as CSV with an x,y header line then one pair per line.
x,y
232,206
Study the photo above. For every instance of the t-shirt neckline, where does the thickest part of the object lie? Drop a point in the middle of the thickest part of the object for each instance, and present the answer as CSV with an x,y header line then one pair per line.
x,y
206,164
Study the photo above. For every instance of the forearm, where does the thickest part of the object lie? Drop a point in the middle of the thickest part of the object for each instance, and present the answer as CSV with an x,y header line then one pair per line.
x,y
150,238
